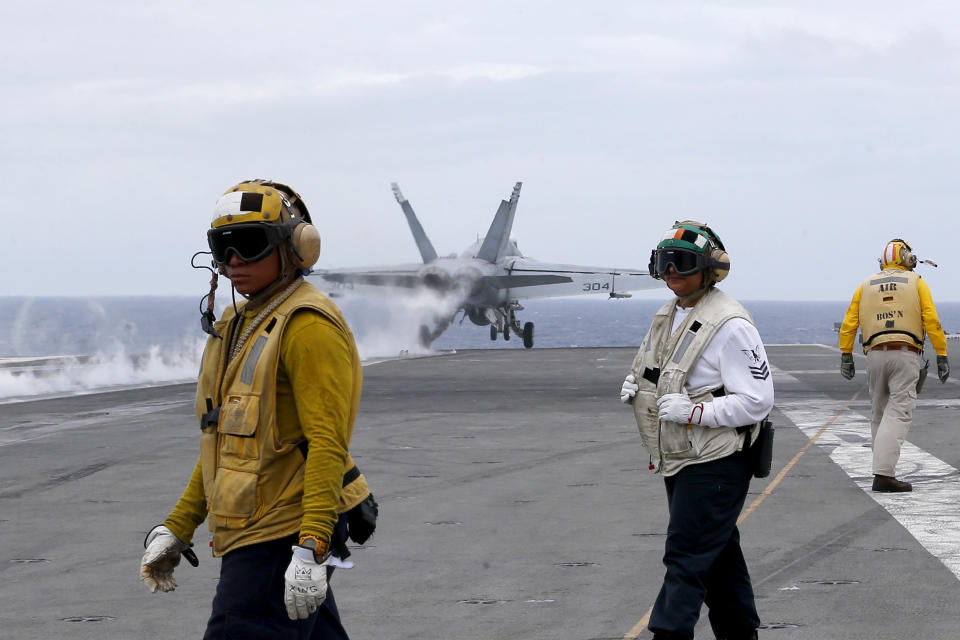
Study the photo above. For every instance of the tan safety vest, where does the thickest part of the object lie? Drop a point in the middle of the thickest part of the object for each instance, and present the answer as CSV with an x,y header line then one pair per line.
x,y
662,365
252,480
890,309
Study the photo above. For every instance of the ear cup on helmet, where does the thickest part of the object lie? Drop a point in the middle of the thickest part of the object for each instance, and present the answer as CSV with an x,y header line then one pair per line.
x,y
651,268
305,240
720,264
907,258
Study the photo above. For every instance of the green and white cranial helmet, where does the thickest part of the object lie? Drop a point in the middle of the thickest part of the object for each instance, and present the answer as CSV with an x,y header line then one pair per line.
x,y
690,246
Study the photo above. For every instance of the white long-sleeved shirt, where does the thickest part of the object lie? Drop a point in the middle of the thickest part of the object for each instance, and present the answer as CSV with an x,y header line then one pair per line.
x,y
735,359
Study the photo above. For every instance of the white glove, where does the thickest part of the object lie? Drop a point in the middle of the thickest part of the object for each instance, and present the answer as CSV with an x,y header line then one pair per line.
x,y
305,583
629,389
162,555
677,407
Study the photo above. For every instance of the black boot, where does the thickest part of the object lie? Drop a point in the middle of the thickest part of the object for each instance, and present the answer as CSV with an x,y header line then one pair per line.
x,y
887,484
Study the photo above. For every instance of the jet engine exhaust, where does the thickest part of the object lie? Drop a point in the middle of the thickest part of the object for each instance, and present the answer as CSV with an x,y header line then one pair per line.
x,y
405,323
436,279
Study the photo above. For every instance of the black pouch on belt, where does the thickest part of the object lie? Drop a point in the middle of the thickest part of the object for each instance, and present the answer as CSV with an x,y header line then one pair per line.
x,y
761,450
362,519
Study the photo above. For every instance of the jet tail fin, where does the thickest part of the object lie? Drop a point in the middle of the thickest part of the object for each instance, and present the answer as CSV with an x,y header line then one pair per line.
x,y
499,233
427,252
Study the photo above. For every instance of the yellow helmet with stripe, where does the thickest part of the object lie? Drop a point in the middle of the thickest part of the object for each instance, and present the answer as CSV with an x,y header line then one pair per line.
x,y
250,202
255,216
898,253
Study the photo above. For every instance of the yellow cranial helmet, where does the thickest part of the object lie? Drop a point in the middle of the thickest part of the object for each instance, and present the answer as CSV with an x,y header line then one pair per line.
x,y
898,253
256,216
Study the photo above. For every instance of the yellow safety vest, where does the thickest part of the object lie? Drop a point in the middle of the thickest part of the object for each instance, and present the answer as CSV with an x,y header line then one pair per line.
x,y
253,480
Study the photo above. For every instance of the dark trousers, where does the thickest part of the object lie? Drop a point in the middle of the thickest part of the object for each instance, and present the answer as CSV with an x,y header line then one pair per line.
x,y
702,553
249,604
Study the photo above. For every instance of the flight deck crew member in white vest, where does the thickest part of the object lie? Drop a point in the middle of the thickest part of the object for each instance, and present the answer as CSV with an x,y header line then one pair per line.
x,y
277,395
700,385
894,311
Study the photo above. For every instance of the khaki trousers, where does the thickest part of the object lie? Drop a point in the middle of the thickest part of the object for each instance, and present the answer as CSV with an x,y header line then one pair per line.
x,y
893,379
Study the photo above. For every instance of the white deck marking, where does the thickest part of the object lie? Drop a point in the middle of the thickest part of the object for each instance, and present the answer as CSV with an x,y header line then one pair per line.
x,y
931,513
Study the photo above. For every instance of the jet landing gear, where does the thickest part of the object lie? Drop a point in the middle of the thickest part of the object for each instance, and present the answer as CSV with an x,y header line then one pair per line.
x,y
508,324
494,331
528,335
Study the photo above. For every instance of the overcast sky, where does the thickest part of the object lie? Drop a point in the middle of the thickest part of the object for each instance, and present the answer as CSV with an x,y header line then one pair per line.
x,y
806,133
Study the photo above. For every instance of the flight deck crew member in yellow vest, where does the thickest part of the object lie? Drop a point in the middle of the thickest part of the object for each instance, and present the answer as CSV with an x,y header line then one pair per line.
x,y
277,395
700,386
894,311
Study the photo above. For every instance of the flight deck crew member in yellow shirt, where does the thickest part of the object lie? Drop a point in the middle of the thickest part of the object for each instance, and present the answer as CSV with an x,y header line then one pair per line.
x,y
277,395
894,311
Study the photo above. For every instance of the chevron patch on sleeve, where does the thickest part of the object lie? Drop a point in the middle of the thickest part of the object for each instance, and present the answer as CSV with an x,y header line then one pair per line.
x,y
761,372
758,367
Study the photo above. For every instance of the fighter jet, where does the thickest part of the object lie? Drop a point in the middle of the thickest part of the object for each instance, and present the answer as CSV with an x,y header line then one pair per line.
x,y
487,280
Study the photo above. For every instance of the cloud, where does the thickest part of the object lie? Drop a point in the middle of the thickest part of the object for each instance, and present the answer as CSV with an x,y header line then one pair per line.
x,y
122,123
654,53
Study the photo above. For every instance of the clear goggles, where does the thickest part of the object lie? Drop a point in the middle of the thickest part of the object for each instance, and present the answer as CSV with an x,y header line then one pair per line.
x,y
250,241
683,261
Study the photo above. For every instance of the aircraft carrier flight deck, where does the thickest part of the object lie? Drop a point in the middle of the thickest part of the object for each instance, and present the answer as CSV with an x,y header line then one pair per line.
x,y
515,502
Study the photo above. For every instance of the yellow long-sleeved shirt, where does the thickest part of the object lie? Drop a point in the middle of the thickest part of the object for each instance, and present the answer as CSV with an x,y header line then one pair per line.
x,y
314,397
928,313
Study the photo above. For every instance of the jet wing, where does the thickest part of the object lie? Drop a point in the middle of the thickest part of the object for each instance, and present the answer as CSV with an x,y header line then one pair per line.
x,y
367,280
531,279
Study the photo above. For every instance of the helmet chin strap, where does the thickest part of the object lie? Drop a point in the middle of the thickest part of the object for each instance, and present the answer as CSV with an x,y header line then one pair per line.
x,y
287,275
705,286
691,298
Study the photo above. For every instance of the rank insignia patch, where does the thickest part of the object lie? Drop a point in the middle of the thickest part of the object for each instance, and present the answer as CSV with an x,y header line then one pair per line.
x,y
758,367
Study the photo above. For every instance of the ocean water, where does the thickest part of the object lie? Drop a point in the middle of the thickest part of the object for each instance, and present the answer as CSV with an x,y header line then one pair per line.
x,y
51,346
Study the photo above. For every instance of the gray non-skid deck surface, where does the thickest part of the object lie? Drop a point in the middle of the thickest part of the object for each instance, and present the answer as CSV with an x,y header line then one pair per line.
x,y
515,503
